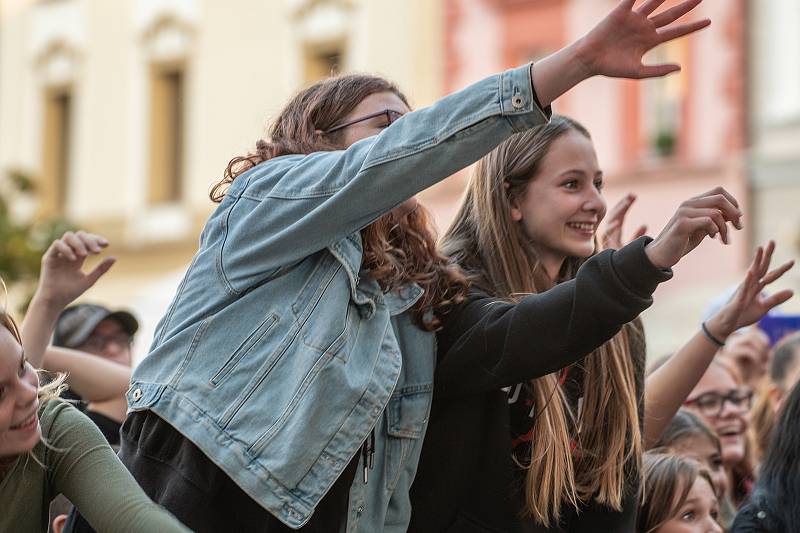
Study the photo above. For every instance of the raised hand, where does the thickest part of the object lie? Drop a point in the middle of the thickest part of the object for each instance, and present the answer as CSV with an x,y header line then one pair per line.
x,y
612,235
748,304
697,218
616,46
62,278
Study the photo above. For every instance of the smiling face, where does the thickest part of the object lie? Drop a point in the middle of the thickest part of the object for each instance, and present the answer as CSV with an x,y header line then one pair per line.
x,y
19,404
562,205
698,514
732,421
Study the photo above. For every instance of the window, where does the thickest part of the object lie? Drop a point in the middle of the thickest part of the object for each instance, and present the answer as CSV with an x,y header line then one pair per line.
x,y
56,150
166,134
663,101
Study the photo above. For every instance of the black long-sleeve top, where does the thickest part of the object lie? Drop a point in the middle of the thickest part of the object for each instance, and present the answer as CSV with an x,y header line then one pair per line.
x,y
466,477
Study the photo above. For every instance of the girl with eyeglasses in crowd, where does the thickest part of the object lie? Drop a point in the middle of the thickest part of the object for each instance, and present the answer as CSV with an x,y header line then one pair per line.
x,y
47,447
290,381
724,401
514,444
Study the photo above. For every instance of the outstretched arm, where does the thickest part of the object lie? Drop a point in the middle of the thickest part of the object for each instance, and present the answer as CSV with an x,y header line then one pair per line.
x,y
93,378
61,281
669,386
615,47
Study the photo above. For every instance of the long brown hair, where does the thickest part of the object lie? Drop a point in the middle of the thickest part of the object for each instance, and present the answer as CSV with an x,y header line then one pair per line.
x,y
669,480
497,256
397,249
763,416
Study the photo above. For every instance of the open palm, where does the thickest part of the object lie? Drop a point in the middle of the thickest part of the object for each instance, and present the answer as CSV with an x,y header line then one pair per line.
x,y
62,278
748,304
619,42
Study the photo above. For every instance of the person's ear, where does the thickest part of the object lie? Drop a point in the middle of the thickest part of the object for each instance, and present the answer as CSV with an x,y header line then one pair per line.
x,y
516,210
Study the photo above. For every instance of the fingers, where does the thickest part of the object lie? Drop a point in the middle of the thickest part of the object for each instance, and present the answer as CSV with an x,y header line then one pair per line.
x,y
706,225
679,30
99,270
777,273
777,299
721,202
714,214
78,245
640,232
620,210
656,71
649,6
674,13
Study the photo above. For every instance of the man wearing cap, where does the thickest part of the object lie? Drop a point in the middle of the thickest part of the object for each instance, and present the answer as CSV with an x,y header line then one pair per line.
x,y
108,334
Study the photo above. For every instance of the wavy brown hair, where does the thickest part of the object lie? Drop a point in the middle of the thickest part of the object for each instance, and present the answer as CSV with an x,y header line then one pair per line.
x,y
498,257
669,480
398,249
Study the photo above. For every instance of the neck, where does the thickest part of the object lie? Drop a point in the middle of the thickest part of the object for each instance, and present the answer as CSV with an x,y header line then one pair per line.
x,y
552,264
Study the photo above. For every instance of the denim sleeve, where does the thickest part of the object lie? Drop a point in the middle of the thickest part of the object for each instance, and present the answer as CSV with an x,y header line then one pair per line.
x,y
290,207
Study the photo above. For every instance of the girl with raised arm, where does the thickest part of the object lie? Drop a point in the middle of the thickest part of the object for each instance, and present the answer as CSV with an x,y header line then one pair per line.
x,y
47,447
290,381
515,443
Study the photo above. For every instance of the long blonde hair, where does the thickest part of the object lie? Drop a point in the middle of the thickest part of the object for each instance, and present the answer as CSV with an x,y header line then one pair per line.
x,y
498,258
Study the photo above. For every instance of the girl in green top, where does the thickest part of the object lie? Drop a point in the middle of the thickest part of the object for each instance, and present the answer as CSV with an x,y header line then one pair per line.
x,y
48,447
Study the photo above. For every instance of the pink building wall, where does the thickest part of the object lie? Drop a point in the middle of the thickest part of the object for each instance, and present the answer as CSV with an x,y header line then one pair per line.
x,y
485,36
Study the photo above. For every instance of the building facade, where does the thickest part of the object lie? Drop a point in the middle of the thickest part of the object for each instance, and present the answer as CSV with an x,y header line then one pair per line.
x,y
125,113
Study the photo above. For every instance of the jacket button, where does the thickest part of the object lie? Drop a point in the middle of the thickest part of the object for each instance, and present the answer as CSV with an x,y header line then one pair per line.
x,y
761,515
517,101
360,509
137,395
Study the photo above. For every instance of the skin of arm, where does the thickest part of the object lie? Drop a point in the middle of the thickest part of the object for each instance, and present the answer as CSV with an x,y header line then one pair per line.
x,y
669,386
91,377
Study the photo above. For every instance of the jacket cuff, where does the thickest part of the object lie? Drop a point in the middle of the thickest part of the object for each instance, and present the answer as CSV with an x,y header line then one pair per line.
x,y
518,101
635,269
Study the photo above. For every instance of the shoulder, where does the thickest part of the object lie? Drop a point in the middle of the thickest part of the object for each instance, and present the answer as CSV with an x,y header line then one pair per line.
x,y
63,424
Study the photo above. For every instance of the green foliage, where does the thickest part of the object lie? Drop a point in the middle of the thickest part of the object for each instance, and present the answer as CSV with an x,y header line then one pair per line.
x,y
22,242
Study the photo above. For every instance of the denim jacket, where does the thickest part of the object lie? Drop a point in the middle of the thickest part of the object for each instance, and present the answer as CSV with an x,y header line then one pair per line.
x,y
278,356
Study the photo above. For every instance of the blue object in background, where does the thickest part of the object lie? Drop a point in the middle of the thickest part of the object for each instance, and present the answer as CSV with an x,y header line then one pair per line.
x,y
778,326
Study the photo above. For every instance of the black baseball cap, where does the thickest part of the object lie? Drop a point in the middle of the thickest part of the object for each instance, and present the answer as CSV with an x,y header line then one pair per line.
x,y
76,323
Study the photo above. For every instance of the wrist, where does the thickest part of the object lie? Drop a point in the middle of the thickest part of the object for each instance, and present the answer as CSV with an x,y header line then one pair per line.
x,y
47,303
584,58
719,327
651,250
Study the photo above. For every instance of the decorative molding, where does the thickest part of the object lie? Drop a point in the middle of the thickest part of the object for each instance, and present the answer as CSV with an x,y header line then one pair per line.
x,y
57,63
168,38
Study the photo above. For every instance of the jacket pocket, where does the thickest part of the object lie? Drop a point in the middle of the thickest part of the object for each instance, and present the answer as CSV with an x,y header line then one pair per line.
x,y
244,348
407,416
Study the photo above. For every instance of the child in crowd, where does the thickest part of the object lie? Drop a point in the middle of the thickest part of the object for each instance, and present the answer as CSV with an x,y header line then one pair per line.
x,y
47,447
689,436
679,497
724,401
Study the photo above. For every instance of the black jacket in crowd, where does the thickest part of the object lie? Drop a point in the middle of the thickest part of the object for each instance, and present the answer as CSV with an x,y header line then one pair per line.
x,y
467,481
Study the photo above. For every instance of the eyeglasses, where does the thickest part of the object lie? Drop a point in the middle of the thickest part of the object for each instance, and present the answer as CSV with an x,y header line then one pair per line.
x,y
711,404
390,114
96,343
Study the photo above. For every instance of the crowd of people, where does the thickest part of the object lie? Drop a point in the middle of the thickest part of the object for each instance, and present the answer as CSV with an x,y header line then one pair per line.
x,y
327,366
